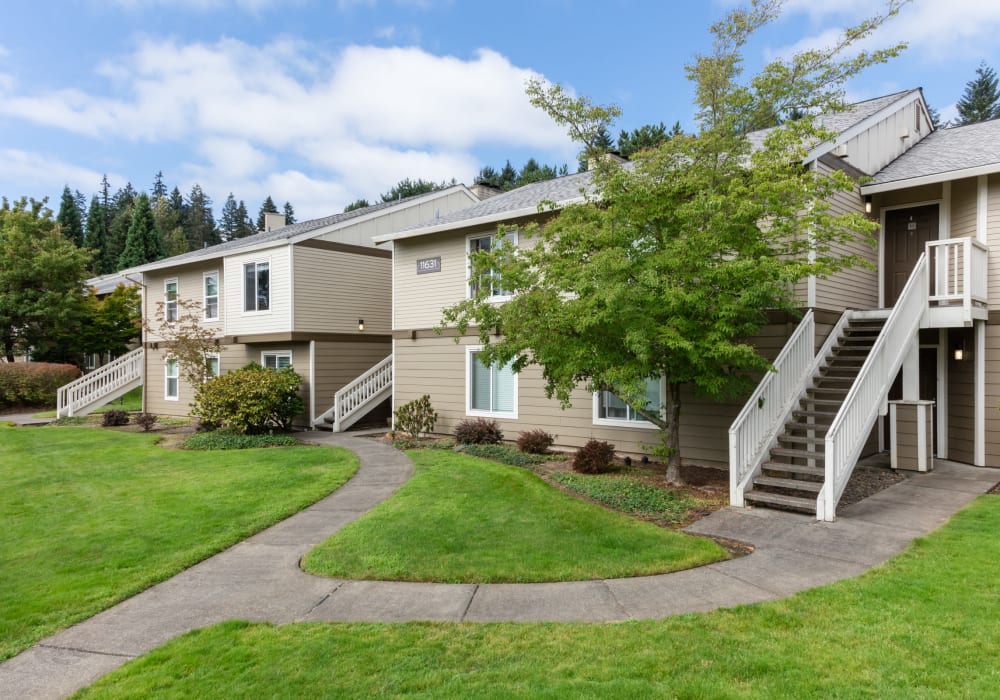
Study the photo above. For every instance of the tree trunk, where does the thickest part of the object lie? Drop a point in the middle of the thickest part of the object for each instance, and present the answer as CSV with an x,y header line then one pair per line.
x,y
672,431
8,349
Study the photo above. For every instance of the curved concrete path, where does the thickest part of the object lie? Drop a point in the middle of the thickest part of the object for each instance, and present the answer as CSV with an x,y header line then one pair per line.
x,y
260,579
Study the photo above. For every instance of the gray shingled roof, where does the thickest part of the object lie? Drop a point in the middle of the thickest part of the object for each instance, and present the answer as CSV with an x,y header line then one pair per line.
x,y
947,150
277,235
105,284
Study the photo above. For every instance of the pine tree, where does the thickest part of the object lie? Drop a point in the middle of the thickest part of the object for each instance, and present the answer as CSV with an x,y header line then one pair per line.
x,y
289,214
122,209
359,203
198,221
143,244
105,199
69,218
981,100
229,222
159,189
246,223
97,238
268,207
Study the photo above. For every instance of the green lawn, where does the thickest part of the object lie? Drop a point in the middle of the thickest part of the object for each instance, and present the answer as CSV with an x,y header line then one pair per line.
x,y
924,625
132,401
464,519
92,516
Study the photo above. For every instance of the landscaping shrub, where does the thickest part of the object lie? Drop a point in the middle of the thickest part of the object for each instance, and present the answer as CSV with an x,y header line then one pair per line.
x,y
629,495
250,401
416,417
594,458
425,444
33,383
536,442
114,418
221,440
478,432
508,454
145,420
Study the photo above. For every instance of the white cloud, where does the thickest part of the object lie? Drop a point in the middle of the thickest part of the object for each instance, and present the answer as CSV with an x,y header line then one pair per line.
x,y
40,171
385,32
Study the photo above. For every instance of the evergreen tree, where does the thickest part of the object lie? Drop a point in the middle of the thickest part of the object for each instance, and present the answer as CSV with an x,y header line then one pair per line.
x,y
229,223
409,188
646,136
69,218
981,100
268,207
359,203
122,209
105,200
246,223
533,172
175,242
177,202
936,118
198,221
289,214
81,208
168,227
97,238
159,189
508,176
143,244
488,176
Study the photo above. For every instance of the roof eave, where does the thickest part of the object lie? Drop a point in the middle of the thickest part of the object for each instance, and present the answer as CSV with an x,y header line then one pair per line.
x,y
930,179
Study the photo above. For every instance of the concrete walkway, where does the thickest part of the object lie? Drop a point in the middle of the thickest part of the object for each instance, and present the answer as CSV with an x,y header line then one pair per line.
x,y
260,580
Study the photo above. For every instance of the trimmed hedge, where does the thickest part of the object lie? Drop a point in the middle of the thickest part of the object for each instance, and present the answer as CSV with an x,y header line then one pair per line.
x,y
221,440
33,383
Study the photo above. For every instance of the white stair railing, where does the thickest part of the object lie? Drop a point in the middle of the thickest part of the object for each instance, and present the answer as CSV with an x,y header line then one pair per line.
x,y
756,428
77,396
355,396
853,423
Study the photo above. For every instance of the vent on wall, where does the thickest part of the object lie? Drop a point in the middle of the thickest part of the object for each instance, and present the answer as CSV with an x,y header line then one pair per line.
x,y
840,150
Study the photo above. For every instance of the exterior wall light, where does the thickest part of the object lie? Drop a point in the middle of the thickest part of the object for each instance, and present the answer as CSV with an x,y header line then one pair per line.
x,y
868,204
361,325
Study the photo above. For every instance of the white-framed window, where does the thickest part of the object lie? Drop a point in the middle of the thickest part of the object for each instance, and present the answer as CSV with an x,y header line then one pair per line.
x,y
486,242
257,286
611,410
171,382
90,360
170,300
211,296
491,390
212,365
276,359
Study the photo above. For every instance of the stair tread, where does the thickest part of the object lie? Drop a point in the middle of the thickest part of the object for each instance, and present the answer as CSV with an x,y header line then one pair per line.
x,y
794,469
822,402
792,452
802,439
795,484
805,504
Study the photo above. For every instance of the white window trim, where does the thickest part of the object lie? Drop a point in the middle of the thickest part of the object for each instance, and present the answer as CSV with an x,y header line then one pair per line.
x,y
212,356
167,378
619,423
478,413
513,234
166,302
218,295
276,353
243,287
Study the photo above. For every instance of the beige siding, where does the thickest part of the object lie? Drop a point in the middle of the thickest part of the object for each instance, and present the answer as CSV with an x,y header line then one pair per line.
x,y
963,207
856,287
993,241
382,223
992,395
419,299
190,287
334,289
277,319
340,363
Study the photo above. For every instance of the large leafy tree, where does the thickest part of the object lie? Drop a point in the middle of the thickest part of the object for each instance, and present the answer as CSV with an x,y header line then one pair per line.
x,y
112,323
669,268
981,100
41,281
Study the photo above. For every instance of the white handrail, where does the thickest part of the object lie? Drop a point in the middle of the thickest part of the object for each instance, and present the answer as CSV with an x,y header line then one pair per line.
x,y
103,381
853,422
356,395
756,427
959,270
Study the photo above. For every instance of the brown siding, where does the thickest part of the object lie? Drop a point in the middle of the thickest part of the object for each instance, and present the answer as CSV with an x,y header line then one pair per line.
x,y
961,406
924,193
334,289
856,287
993,241
992,395
963,207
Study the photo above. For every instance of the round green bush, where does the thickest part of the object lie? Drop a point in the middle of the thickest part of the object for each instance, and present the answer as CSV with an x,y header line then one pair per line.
x,y
250,400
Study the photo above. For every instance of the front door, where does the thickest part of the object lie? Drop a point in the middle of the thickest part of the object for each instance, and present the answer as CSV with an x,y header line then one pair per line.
x,y
907,232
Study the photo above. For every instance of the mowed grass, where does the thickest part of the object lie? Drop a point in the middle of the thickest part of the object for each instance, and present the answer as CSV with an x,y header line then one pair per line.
x,y
464,519
92,516
131,401
924,625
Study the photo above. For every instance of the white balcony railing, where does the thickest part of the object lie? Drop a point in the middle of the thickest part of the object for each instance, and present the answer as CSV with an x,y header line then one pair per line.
x,y
355,397
957,292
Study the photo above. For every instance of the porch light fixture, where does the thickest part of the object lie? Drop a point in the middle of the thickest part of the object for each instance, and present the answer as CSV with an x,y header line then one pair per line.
x,y
960,354
361,325
868,204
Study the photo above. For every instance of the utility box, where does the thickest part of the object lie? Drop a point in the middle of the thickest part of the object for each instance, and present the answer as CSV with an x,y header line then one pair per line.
x,y
911,435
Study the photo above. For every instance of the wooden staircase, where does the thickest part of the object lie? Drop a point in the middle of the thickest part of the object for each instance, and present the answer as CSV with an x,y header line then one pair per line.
x,y
352,402
792,475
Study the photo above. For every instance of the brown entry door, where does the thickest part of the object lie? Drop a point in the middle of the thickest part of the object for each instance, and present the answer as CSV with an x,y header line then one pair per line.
x,y
907,232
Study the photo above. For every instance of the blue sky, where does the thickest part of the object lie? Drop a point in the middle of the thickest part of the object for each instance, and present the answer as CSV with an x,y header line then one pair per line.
x,y
319,103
